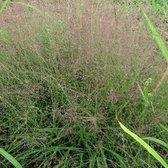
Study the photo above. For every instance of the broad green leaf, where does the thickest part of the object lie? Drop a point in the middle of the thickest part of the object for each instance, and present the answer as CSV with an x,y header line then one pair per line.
x,y
10,158
158,141
145,145
157,37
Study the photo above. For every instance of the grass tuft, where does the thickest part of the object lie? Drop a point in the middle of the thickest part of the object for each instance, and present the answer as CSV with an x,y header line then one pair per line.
x,y
67,69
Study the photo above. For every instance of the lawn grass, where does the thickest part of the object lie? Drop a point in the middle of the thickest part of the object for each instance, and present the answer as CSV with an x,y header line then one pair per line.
x,y
67,69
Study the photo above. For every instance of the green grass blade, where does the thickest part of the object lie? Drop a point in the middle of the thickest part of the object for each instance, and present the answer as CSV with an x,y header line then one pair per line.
x,y
104,158
5,36
92,160
166,129
158,39
117,156
158,141
10,158
145,145
4,5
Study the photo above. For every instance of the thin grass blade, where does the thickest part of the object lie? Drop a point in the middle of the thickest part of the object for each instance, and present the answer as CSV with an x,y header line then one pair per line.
x,y
158,141
10,158
5,36
117,156
104,158
4,5
166,129
157,37
145,145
